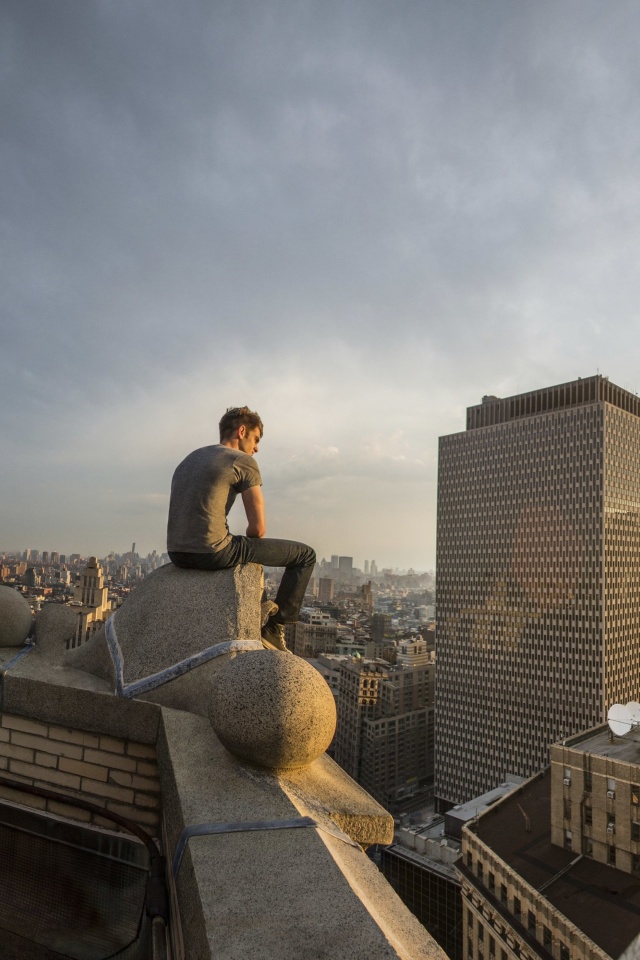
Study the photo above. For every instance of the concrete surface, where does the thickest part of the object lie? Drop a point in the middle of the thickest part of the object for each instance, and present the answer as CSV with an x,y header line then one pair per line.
x,y
16,618
274,893
51,692
294,893
323,789
56,623
171,616
271,893
272,709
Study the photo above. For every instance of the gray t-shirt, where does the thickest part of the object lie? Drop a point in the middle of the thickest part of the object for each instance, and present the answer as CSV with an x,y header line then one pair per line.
x,y
203,490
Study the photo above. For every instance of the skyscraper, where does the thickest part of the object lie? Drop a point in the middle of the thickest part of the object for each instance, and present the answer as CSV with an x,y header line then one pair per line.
x,y
538,579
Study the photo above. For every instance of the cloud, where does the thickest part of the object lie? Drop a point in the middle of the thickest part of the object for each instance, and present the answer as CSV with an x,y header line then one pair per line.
x,y
358,218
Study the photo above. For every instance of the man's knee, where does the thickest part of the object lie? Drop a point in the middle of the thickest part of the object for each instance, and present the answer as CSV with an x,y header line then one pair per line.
x,y
310,556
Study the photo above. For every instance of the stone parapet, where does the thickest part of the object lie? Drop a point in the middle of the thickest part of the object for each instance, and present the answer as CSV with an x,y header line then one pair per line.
x,y
289,877
293,892
271,893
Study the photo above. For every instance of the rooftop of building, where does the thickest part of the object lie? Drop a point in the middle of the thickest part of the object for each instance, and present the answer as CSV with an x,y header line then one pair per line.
x,y
603,743
562,396
462,813
445,870
427,844
602,901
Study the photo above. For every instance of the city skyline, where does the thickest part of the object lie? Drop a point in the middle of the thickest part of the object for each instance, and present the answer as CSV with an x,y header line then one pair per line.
x,y
356,218
20,551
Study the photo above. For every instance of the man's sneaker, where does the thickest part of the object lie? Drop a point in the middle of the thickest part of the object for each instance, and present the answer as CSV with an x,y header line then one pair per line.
x,y
273,636
267,609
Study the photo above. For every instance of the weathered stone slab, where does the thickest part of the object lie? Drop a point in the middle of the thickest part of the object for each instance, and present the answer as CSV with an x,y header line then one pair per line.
x,y
56,623
169,619
294,893
46,691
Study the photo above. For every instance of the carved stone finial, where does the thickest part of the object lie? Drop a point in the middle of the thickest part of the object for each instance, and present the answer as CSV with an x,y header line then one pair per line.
x,y
272,709
15,618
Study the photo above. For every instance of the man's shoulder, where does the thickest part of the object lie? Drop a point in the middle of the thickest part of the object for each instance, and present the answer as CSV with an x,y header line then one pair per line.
x,y
199,459
221,455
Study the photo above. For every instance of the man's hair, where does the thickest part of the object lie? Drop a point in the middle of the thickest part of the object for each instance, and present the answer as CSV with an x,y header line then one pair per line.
x,y
236,417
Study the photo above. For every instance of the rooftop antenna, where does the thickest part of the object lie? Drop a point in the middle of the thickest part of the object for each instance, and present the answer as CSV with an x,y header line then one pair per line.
x,y
623,718
634,709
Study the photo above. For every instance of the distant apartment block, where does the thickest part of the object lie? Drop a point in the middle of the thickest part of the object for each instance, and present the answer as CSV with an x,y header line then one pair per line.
x,y
380,626
538,572
384,736
325,589
315,633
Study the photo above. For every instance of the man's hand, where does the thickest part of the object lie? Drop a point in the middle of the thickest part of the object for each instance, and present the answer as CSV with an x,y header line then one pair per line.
x,y
254,508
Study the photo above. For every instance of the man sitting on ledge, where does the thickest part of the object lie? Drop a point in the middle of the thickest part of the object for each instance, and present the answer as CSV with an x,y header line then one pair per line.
x,y
203,490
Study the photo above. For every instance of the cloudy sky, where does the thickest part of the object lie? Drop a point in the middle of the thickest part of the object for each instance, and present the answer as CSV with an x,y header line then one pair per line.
x,y
356,216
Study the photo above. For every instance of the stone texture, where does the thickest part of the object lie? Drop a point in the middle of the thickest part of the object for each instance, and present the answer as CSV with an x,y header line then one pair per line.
x,y
192,691
55,624
35,687
273,709
272,893
172,615
633,950
92,657
323,789
15,618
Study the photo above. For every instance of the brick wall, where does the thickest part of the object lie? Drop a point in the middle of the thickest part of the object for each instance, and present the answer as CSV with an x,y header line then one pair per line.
x,y
119,775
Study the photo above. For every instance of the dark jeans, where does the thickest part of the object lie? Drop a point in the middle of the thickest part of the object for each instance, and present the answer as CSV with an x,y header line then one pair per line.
x,y
297,559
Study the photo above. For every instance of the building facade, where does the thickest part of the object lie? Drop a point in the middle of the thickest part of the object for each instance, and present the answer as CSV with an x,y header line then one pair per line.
x,y
90,600
595,790
315,633
431,890
325,589
385,732
538,572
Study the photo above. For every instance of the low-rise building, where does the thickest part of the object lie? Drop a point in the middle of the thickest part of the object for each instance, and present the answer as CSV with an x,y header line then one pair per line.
x,y
595,789
525,896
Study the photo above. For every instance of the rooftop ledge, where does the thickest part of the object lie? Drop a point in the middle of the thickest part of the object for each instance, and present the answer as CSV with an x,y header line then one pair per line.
x,y
263,881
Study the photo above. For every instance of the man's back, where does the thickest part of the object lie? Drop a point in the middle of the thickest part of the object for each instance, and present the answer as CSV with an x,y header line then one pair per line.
x,y
203,490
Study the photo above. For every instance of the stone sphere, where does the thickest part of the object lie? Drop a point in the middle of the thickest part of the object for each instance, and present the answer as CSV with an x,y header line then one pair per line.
x,y
15,618
273,709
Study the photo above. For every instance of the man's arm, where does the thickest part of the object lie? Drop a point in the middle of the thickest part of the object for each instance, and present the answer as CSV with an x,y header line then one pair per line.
x,y
254,508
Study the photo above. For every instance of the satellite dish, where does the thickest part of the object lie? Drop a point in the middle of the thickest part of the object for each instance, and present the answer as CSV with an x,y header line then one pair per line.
x,y
634,709
619,719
